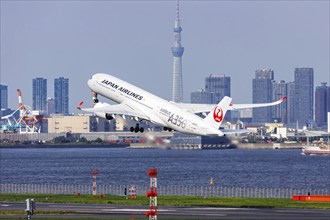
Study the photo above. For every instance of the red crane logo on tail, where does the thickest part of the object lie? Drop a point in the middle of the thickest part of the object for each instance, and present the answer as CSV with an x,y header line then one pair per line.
x,y
218,114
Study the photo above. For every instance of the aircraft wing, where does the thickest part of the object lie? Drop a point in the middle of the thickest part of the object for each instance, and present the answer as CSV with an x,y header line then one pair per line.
x,y
256,105
194,107
117,109
200,108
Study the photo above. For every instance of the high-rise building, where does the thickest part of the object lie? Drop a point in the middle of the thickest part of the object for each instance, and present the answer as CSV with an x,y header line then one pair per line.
x,y
177,51
200,97
262,93
290,104
303,97
50,106
39,94
3,97
61,95
279,112
218,86
322,104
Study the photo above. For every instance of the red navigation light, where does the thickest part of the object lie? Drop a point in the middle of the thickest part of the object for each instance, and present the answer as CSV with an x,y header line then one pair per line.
x,y
152,172
95,172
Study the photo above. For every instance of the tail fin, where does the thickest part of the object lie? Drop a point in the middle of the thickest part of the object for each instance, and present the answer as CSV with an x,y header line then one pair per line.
x,y
215,117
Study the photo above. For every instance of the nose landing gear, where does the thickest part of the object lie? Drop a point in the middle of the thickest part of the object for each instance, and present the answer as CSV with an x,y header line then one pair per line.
x,y
94,96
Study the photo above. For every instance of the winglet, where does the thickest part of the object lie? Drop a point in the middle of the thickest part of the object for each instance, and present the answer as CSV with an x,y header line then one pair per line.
x,y
79,105
283,98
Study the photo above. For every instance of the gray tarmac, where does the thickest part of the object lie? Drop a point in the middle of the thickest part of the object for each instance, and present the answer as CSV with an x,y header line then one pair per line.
x,y
81,211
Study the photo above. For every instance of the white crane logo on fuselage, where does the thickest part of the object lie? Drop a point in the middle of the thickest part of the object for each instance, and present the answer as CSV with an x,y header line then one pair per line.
x,y
218,114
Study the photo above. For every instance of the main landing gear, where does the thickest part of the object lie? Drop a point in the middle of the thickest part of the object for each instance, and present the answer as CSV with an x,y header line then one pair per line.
x,y
137,129
167,129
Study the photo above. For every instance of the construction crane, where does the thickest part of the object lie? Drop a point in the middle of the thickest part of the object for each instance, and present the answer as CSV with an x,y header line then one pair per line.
x,y
29,121
12,125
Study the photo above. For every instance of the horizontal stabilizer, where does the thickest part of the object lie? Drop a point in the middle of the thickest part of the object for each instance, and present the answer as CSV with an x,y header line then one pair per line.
x,y
235,131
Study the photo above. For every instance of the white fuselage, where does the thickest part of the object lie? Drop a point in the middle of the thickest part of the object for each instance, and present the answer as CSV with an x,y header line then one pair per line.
x,y
158,110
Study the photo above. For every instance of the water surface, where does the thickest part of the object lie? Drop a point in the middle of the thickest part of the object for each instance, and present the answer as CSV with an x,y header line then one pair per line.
x,y
231,168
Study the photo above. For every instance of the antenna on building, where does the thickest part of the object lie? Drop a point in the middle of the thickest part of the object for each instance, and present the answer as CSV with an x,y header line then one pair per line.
x,y
177,9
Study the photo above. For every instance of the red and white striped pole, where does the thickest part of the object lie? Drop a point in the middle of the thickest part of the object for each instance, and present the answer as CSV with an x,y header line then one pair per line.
x,y
94,173
152,194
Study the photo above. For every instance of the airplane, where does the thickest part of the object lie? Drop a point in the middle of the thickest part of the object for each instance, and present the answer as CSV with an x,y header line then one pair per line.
x,y
142,105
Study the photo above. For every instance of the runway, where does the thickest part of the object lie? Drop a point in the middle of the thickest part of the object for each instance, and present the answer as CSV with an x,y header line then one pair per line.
x,y
119,211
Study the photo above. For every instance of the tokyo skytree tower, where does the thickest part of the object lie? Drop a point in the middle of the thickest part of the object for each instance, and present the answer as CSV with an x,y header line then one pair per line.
x,y
177,51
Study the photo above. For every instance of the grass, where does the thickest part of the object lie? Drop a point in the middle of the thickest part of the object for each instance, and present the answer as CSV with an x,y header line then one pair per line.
x,y
169,201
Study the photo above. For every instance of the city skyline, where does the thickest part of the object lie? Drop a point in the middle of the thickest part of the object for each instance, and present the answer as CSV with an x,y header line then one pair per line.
x,y
213,80
298,93
216,40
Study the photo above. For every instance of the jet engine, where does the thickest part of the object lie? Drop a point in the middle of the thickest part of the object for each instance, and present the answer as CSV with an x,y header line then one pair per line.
x,y
104,115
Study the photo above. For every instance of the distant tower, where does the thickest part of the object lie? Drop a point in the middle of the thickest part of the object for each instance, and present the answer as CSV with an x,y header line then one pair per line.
x,y
262,93
218,86
39,94
322,104
50,106
304,96
201,97
177,51
279,89
290,103
3,97
61,94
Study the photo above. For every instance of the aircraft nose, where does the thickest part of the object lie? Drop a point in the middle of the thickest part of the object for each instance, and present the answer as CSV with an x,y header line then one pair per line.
x,y
90,82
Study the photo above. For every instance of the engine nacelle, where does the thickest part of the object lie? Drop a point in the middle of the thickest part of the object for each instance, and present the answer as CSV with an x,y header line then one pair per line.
x,y
101,114
104,115
108,116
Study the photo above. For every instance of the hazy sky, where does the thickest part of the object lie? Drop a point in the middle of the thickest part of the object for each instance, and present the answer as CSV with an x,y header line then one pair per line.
x,y
133,39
